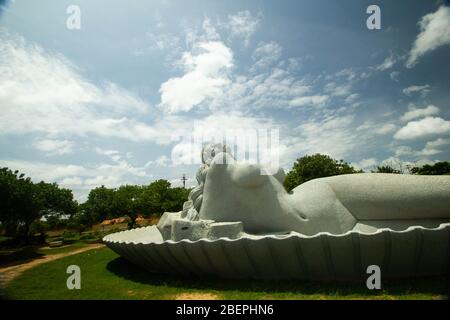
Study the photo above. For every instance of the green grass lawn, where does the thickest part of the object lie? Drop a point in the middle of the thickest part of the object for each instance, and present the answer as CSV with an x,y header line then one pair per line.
x,y
63,249
104,275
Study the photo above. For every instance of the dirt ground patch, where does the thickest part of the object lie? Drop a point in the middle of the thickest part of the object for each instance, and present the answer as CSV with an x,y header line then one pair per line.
x,y
9,273
197,296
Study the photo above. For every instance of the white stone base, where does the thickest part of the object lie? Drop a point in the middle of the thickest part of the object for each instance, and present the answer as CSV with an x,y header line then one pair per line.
x,y
416,251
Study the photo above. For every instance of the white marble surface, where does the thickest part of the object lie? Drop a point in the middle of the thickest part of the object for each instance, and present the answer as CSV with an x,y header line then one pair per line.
x,y
416,251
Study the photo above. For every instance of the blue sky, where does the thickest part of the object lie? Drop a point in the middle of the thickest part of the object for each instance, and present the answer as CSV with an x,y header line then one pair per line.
x,y
107,104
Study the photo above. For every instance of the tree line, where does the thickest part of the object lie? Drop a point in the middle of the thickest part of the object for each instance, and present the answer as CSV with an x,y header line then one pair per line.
x,y
28,208
131,201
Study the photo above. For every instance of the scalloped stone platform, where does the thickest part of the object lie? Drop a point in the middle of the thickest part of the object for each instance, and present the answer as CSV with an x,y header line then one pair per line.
x,y
416,251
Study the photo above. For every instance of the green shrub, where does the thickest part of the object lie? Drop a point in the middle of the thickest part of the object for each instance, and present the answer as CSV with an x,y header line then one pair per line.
x,y
69,234
69,241
315,166
87,237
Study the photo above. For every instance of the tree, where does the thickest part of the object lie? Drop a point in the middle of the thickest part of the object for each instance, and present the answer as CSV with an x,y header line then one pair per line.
x,y
40,227
439,168
80,220
55,222
23,202
386,169
100,203
29,206
57,201
8,194
127,202
154,196
175,199
316,166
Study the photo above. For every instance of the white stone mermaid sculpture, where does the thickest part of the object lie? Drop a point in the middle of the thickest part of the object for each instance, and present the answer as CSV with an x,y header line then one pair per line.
x,y
233,192
239,223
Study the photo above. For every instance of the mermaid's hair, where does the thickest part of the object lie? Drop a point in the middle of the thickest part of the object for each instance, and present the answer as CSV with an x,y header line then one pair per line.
x,y
191,208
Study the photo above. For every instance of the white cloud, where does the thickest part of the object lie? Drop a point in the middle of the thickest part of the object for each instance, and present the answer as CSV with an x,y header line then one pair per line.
x,y
434,33
333,135
242,24
437,143
120,163
163,41
72,181
210,30
403,151
348,73
396,163
44,92
293,64
388,63
386,128
269,83
338,90
215,127
80,178
161,161
415,113
204,78
53,147
422,128
394,75
114,155
44,171
274,88
351,98
366,125
207,32
318,100
105,152
265,54
365,164
423,90
431,148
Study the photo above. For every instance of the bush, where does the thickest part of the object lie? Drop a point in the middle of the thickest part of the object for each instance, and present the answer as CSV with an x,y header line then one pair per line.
x,y
316,166
69,234
387,169
69,241
87,237
439,168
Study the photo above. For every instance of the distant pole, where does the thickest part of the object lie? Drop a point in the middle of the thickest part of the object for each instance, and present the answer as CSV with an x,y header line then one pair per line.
x,y
184,181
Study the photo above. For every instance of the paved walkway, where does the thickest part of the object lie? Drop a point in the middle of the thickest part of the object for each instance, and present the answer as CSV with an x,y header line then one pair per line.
x,y
9,273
